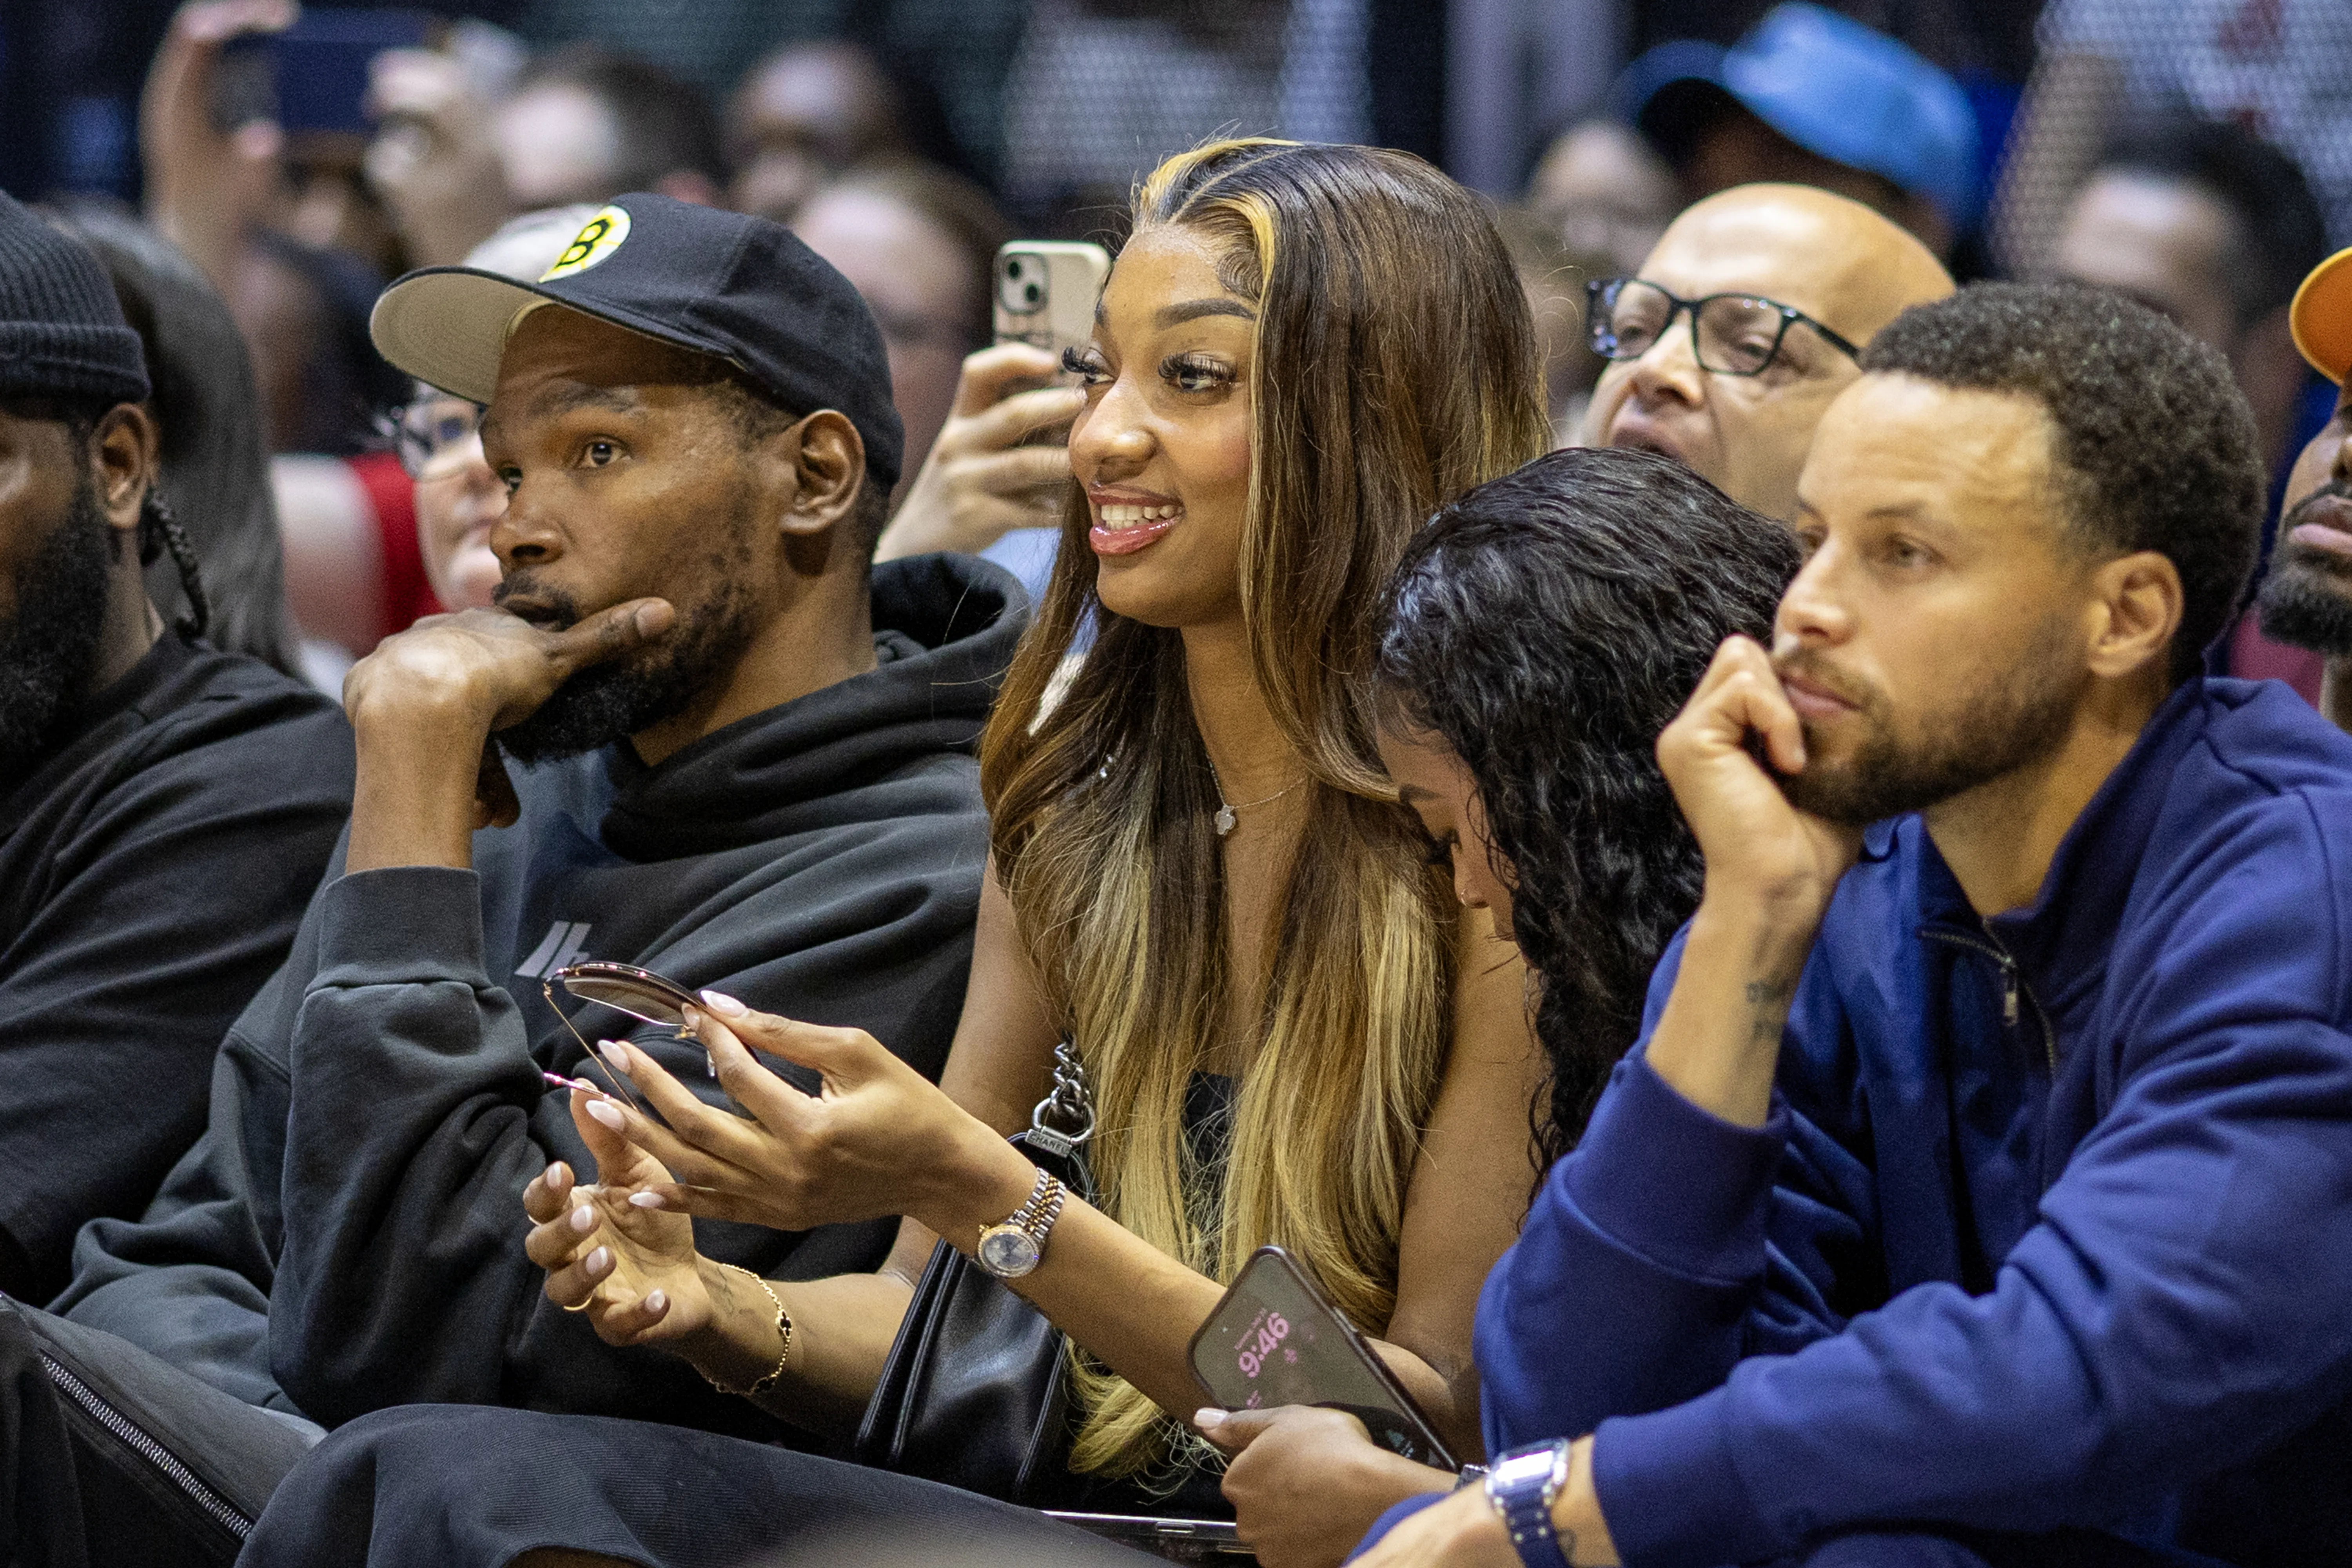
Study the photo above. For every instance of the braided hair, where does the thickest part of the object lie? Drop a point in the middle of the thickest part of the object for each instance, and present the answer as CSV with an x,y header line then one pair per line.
x,y
159,531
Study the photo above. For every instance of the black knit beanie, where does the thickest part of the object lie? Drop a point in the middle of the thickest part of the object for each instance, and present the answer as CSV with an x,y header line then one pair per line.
x,y
62,334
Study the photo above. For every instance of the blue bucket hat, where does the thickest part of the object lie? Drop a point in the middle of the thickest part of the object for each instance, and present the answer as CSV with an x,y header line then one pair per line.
x,y
1834,88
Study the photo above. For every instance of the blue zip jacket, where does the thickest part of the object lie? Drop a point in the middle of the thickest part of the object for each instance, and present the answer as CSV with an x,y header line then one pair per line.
x,y
2051,1224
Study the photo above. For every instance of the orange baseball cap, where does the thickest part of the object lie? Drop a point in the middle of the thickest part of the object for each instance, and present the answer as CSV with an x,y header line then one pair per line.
x,y
2321,317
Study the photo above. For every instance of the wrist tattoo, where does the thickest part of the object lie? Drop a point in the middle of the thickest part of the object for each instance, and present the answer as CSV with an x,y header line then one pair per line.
x,y
1765,992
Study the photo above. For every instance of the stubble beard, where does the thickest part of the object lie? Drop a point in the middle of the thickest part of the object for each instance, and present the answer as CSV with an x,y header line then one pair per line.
x,y
48,651
2306,599
2007,720
606,703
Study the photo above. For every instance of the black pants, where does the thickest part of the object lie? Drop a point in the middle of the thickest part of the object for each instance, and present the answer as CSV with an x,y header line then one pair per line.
x,y
111,1458
462,1486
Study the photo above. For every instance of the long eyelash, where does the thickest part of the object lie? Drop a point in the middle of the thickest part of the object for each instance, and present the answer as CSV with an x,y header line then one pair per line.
x,y
1439,851
1077,361
1195,364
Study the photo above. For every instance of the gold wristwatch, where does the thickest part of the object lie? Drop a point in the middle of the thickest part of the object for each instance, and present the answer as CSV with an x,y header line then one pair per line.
x,y
1011,1246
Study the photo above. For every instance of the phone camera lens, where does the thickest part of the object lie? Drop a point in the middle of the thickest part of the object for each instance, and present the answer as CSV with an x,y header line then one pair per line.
x,y
1033,293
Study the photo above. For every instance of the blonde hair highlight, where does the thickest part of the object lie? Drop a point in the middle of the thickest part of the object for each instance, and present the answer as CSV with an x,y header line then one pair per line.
x,y
1394,367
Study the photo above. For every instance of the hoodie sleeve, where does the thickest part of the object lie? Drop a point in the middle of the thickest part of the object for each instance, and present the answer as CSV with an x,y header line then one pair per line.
x,y
1667,1247
415,1117
2176,1310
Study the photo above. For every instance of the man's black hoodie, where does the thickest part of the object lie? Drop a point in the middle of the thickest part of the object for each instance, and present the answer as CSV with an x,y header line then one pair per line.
x,y
154,863
349,1231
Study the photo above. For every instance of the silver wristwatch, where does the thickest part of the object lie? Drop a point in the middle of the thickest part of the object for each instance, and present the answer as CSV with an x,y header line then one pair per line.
x,y
1011,1246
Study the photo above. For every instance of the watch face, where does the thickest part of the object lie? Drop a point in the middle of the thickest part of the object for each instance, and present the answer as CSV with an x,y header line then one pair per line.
x,y
1514,1470
1007,1251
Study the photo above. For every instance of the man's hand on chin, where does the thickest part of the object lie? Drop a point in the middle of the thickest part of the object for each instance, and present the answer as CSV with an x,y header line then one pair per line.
x,y
425,704
1465,1531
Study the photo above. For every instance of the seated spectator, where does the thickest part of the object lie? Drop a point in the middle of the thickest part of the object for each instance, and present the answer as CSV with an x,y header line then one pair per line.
x,y
437,436
764,782
210,462
920,245
165,809
2214,227
1811,97
1805,276
1977,1194
587,122
1540,633
802,118
1604,193
1322,1048
2306,600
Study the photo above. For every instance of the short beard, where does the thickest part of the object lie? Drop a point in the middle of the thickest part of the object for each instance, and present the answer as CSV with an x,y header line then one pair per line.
x,y
2016,718
606,703
49,651
2306,599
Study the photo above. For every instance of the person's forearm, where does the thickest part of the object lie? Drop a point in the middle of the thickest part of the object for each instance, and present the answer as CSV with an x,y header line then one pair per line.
x,y
842,1329
1718,1044
413,802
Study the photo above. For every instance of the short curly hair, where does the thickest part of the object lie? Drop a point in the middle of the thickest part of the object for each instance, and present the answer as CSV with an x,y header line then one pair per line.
x,y
2153,442
1546,626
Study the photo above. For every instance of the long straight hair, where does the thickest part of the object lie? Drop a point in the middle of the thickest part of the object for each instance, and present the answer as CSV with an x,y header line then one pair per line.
x,y
1394,367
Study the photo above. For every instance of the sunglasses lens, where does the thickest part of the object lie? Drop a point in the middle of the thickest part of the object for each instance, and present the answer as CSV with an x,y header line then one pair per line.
x,y
635,998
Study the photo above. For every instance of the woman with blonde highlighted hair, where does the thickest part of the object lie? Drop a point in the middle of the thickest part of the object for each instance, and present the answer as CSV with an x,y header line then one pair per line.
x,y
1202,879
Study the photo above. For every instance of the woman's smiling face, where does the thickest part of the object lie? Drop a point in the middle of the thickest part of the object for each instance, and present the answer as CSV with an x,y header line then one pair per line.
x,y
1163,445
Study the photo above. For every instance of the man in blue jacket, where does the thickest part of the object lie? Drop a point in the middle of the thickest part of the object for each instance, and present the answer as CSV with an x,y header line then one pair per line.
x,y
1981,1189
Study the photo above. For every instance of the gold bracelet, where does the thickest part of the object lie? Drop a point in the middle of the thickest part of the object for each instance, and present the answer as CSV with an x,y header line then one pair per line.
x,y
783,1333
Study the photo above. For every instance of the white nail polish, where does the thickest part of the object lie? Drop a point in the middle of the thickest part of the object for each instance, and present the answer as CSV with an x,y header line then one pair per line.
x,y
604,1112
656,1302
613,1053
598,1260
645,1200
583,1219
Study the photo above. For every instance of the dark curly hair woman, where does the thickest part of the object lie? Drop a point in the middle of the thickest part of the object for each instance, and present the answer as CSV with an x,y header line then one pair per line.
x,y
1540,633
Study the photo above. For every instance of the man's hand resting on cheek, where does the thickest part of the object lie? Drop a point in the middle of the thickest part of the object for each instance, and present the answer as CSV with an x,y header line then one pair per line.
x,y
1758,844
1771,871
425,704
1306,1483
1465,1531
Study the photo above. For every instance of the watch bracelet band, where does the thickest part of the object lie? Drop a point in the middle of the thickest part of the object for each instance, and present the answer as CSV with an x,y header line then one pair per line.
x,y
1037,1214
1528,1519
783,1333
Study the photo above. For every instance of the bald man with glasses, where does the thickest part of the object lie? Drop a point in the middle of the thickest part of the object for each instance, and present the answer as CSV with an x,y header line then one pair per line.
x,y
1742,325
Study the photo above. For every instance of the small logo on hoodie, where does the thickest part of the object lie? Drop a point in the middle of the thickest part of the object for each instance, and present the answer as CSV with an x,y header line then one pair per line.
x,y
560,946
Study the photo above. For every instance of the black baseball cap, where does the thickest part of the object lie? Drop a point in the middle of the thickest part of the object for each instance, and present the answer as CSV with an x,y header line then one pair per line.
x,y
740,289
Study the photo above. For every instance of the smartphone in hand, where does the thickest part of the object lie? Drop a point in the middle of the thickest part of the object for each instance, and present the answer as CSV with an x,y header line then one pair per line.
x,y
1046,290
1275,1339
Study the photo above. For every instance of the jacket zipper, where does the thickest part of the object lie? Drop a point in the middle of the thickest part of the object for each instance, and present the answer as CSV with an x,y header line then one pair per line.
x,y
221,1511
2012,985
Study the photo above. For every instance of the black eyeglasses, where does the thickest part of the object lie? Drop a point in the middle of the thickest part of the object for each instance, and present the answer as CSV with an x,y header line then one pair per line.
x,y
1731,334
431,434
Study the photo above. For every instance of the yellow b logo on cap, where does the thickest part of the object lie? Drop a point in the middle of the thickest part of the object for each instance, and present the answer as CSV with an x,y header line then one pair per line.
x,y
597,239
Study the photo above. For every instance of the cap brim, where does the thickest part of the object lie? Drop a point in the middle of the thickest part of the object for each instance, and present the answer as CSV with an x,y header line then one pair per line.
x,y
2321,317
447,326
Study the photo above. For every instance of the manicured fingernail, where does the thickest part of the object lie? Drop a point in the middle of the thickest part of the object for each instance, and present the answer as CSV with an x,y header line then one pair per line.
x,y
656,1302
583,1219
604,1111
726,1006
1208,1420
598,1261
558,1176
611,1052
645,1200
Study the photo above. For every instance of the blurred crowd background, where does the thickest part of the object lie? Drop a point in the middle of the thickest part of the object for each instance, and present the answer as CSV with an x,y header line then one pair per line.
x,y
2195,154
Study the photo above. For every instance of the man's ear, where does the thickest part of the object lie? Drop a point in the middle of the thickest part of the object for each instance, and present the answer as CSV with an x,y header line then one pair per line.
x,y
122,456
2137,600
830,468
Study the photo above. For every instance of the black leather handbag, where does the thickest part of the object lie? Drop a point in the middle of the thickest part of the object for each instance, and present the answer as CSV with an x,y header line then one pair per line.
x,y
976,1392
